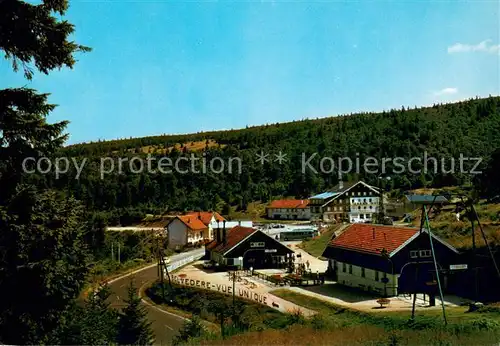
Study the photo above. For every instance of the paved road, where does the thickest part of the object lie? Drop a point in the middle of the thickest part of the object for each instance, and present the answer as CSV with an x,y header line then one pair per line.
x,y
165,325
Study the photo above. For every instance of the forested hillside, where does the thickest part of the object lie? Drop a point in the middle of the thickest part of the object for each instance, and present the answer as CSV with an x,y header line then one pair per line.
x,y
468,128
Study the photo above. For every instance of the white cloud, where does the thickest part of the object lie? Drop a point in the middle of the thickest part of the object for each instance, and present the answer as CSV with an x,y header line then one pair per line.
x,y
484,46
446,91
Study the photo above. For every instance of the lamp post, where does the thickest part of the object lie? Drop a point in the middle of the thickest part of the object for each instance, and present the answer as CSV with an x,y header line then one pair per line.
x,y
240,259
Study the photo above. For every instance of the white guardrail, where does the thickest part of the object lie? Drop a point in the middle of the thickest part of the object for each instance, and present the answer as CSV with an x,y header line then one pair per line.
x,y
184,261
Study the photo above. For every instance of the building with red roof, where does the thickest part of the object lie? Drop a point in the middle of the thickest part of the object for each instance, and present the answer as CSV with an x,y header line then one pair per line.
x,y
192,228
388,260
289,209
246,247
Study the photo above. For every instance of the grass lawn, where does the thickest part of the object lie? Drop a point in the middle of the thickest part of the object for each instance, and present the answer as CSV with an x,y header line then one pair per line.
x,y
335,325
455,315
317,245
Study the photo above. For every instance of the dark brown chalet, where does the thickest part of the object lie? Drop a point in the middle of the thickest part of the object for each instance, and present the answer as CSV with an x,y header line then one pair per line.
x,y
246,247
389,260
347,202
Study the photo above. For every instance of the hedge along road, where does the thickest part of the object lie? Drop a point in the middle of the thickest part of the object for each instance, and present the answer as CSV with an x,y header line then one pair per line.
x,y
165,325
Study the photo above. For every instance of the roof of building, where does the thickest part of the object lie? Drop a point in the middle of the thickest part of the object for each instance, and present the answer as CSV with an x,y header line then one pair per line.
x,y
426,199
231,224
192,222
234,236
206,216
289,204
340,188
372,239
323,195
348,186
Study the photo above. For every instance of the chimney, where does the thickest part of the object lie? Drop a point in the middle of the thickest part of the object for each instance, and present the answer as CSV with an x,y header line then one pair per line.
x,y
224,237
341,185
217,237
374,233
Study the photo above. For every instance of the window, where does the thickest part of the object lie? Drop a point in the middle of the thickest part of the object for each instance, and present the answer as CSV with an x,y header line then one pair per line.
x,y
361,216
370,200
230,261
362,272
425,253
344,267
413,254
350,268
371,207
359,193
376,276
364,193
201,234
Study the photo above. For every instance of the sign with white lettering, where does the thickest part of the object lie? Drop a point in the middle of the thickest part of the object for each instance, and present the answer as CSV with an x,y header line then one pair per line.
x,y
270,250
258,244
458,266
241,292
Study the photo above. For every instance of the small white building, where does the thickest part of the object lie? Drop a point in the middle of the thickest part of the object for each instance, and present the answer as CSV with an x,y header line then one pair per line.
x,y
192,228
185,230
289,209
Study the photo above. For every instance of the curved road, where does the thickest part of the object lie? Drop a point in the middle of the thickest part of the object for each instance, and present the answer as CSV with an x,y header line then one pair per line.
x,y
165,325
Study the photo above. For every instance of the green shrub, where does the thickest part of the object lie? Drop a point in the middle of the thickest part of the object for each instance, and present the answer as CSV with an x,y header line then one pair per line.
x,y
191,329
422,323
394,339
489,309
486,324
318,322
296,317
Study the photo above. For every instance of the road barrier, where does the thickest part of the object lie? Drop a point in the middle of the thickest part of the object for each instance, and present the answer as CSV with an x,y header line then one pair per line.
x,y
184,261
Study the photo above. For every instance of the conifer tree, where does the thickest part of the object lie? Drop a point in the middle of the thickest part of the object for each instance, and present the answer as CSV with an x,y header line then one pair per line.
x,y
42,254
134,327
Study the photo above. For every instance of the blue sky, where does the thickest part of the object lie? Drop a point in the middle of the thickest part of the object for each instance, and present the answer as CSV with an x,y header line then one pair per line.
x,y
180,67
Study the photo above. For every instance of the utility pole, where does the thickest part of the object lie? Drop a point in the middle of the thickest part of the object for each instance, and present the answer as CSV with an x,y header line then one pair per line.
x,y
474,264
118,253
435,263
161,266
422,217
234,281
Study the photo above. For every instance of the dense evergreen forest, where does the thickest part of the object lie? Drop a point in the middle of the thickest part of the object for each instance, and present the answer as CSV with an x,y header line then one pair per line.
x,y
443,131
